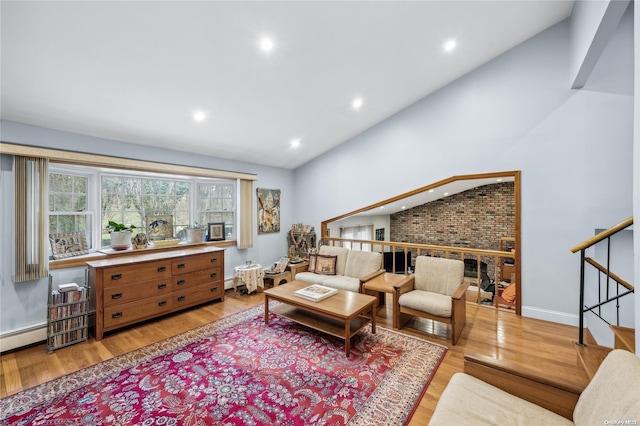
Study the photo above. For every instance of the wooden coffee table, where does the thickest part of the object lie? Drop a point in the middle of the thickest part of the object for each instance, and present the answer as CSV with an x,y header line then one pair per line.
x,y
340,315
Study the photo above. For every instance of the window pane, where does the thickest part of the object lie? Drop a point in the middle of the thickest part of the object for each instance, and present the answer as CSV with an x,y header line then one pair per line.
x,y
80,203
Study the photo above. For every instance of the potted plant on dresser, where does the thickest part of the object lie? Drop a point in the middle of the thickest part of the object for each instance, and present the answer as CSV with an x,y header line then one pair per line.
x,y
120,235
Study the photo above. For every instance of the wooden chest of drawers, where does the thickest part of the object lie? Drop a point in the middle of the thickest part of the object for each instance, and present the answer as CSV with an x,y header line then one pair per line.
x,y
133,288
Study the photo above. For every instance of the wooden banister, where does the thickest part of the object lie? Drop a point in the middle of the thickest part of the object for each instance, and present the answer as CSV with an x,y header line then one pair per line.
x,y
602,235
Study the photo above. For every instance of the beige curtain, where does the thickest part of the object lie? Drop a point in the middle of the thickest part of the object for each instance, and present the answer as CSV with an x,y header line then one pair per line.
x,y
245,230
31,204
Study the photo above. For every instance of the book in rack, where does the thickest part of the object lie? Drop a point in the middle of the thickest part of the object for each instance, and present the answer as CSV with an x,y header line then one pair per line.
x,y
315,292
67,315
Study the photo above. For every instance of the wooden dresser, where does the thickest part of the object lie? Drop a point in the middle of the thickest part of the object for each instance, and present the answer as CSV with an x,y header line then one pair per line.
x,y
134,288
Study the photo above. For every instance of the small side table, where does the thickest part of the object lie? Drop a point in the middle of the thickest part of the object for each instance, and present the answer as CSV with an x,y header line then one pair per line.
x,y
382,284
277,279
251,275
295,268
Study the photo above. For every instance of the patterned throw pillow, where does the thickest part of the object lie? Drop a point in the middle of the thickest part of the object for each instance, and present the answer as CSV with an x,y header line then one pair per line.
x,y
326,264
312,263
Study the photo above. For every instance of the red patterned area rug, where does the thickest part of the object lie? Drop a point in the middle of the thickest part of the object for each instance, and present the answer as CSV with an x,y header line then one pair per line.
x,y
239,371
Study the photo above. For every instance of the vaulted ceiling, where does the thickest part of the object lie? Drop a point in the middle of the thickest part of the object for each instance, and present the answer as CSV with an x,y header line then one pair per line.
x,y
139,71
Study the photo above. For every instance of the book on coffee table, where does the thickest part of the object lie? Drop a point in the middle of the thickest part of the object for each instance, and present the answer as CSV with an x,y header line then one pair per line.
x,y
315,292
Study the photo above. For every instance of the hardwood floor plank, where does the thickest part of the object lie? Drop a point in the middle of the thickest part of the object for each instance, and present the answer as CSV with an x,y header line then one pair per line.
x,y
545,346
10,381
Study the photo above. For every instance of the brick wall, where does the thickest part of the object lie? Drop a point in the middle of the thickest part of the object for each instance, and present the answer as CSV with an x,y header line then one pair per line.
x,y
476,218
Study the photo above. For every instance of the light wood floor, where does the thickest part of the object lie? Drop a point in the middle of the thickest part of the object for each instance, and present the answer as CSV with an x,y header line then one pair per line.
x,y
501,334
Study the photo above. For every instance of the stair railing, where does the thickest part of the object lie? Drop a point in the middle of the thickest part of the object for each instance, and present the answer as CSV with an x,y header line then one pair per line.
x,y
582,247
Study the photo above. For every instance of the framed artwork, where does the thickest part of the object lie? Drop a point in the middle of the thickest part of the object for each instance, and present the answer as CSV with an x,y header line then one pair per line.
x,y
268,210
68,244
282,265
159,227
216,231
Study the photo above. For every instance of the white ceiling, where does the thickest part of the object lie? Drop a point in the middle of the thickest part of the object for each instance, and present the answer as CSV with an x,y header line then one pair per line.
x,y
136,71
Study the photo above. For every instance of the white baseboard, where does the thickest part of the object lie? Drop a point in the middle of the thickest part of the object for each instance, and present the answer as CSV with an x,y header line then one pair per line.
x,y
38,333
24,337
548,315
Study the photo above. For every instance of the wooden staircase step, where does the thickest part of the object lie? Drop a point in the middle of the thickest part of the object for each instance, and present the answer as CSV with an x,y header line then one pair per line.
x,y
625,338
591,357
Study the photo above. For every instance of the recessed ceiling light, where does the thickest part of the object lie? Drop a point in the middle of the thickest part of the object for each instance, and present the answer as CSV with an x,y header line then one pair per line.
x,y
431,190
357,103
404,207
295,143
381,207
199,115
498,180
449,45
266,44
446,193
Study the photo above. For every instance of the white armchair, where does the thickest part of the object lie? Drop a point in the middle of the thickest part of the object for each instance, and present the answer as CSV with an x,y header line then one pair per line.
x,y
436,291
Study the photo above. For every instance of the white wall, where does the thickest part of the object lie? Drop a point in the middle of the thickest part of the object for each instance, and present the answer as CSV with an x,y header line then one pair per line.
x,y
515,113
636,170
23,305
378,221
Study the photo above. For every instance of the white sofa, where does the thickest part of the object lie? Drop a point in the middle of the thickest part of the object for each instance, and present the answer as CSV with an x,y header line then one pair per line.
x,y
611,397
353,268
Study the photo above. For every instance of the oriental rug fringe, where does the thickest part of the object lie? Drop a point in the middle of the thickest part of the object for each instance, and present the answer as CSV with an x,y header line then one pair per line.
x,y
239,371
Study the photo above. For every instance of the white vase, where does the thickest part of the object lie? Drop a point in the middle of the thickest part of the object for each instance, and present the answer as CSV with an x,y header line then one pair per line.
x,y
195,235
121,240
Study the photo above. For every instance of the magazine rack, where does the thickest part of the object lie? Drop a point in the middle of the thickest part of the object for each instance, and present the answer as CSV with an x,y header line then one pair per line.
x,y
67,316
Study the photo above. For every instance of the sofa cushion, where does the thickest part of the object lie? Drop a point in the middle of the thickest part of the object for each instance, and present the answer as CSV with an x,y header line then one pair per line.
x,y
342,282
469,401
342,254
361,263
613,393
426,301
312,277
312,263
325,264
438,274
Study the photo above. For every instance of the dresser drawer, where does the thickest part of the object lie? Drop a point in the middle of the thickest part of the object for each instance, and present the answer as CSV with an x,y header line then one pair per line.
x,y
135,273
126,313
208,276
198,262
129,293
194,296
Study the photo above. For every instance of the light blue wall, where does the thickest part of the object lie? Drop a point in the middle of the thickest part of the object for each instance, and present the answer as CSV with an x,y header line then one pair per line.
x,y
636,170
574,149
23,305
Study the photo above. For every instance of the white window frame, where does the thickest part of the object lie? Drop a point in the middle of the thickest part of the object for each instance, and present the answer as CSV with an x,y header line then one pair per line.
x,y
92,190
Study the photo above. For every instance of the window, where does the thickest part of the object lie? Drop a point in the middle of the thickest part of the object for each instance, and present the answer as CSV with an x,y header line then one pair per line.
x,y
217,203
358,232
76,194
69,203
129,199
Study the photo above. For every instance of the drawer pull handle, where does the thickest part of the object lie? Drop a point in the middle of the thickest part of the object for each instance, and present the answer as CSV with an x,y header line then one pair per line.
x,y
181,298
162,303
180,282
117,315
162,268
214,259
116,276
214,289
116,295
181,265
161,286
214,275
